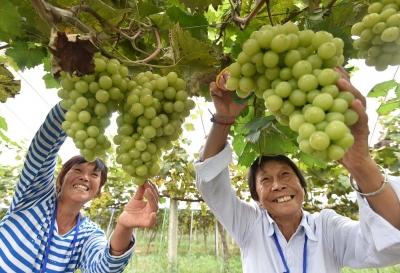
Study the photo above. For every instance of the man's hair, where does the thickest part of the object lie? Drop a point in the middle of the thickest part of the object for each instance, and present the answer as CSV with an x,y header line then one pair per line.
x,y
260,161
76,160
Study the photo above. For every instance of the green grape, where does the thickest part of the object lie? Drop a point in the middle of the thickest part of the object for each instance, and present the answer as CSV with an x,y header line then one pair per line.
x,y
335,152
283,89
336,129
307,82
346,141
273,103
280,43
105,82
301,68
248,69
270,59
292,57
339,105
327,50
306,129
319,141
314,115
327,76
246,84
305,146
323,101
390,34
81,102
295,121
350,117
306,37
102,96
375,7
331,116
297,97
251,47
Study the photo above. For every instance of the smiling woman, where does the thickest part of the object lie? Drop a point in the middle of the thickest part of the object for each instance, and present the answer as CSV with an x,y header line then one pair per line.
x,y
275,234
44,230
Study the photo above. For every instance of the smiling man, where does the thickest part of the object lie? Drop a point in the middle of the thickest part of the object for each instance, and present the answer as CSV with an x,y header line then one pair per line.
x,y
275,234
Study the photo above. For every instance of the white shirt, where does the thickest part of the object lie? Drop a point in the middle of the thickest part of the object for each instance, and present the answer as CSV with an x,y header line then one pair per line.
x,y
334,241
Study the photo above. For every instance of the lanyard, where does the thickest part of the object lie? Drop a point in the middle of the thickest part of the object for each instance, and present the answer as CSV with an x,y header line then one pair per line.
x,y
278,246
50,237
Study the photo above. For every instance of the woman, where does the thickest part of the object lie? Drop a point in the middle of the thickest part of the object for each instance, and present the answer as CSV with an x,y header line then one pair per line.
x,y
276,234
44,231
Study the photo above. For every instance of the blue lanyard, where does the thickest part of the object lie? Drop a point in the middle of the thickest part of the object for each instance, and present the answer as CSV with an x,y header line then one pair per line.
x,y
278,246
50,237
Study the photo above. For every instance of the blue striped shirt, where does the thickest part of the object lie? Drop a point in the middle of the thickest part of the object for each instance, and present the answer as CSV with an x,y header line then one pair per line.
x,y
25,228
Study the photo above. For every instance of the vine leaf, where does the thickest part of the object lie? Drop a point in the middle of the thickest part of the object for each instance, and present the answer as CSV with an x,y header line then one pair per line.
x,y
8,86
189,50
72,53
10,21
381,89
26,54
389,106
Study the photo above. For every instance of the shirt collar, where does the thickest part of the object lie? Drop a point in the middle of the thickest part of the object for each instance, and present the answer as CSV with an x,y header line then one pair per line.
x,y
304,223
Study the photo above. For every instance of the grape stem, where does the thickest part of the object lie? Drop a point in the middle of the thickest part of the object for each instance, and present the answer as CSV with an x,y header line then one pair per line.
x,y
53,15
242,22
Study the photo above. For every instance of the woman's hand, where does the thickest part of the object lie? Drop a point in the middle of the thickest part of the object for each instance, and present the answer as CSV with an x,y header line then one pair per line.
x,y
359,152
225,106
140,212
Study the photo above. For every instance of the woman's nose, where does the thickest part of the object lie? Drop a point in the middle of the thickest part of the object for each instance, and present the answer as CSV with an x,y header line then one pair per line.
x,y
84,177
277,185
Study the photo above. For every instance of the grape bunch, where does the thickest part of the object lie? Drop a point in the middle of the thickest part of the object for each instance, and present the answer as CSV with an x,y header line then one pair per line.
x,y
90,100
151,110
292,71
378,35
150,119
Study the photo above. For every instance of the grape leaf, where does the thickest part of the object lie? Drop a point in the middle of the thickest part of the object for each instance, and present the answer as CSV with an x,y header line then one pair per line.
x,y
26,54
72,54
3,124
381,89
248,155
196,25
389,106
8,86
10,21
50,81
189,50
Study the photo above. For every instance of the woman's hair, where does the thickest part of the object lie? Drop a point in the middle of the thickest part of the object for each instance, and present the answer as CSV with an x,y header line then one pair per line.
x,y
78,159
260,161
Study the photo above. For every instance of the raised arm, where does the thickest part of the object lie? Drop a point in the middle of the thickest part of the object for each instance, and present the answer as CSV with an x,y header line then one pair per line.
x,y
362,167
36,178
100,256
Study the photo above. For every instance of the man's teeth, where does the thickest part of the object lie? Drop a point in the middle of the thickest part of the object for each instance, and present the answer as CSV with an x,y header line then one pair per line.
x,y
283,199
81,187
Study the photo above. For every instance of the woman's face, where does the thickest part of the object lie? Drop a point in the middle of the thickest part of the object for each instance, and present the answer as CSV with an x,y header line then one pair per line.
x,y
279,189
81,183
